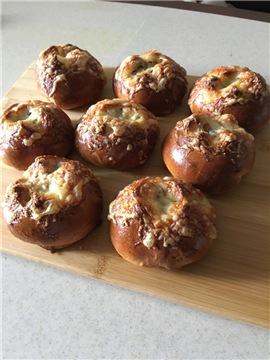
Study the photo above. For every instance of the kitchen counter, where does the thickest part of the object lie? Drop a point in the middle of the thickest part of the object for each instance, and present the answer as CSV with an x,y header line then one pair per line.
x,y
49,313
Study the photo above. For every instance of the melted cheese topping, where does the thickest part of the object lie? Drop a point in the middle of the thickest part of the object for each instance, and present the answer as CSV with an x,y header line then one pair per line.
x,y
151,69
58,79
20,118
166,210
218,127
115,116
47,187
80,58
57,186
205,134
72,59
28,115
121,110
226,86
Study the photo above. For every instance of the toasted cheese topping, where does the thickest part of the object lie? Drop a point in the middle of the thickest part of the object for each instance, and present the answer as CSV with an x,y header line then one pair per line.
x,y
107,111
48,186
166,210
58,79
151,69
23,121
226,86
72,57
115,121
27,115
56,61
213,135
27,122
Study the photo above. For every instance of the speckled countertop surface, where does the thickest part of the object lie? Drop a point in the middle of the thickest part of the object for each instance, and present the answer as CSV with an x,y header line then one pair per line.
x,y
51,314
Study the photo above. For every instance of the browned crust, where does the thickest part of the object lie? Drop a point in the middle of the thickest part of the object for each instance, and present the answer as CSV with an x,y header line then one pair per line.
x,y
21,141
126,243
133,217
213,164
116,142
143,87
69,87
232,90
73,220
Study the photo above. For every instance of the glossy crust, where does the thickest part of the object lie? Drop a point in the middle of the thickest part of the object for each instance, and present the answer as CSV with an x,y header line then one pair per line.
x,y
54,204
31,129
69,76
161,222
232,90
117,134
213,154
151,79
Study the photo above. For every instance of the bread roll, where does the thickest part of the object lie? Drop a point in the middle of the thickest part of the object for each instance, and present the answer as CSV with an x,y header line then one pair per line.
x,y
33,128
161,222
117,134
232,90
55,203
153,80
69,76
213,153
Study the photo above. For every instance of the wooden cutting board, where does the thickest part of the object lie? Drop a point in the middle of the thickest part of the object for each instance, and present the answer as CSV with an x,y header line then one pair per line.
x,y
232,281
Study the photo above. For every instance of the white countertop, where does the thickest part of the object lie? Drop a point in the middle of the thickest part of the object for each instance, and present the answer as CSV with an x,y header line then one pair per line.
x,y
51,314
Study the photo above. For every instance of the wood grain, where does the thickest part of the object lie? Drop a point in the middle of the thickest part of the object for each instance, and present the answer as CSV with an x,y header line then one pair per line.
x,y
232,281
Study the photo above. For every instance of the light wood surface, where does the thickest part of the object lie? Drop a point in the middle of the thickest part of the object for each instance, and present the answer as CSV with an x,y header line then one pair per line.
x,y
232,281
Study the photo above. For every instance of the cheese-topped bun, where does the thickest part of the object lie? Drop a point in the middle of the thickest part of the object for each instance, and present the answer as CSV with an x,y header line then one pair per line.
x,y
55,203
152,79
69,76
117,134
161,222
213,154
232,90
34,128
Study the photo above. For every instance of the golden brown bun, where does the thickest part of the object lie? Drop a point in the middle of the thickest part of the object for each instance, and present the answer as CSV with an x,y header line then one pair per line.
x,y
151,79
213,154
117,134
69,76
55,203
34,128
161,222
232,90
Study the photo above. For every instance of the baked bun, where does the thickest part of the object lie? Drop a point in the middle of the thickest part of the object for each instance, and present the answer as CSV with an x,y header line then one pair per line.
x,y
116,134
161,222
34,128
69,76
152,80
213,154
54,204
232,90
